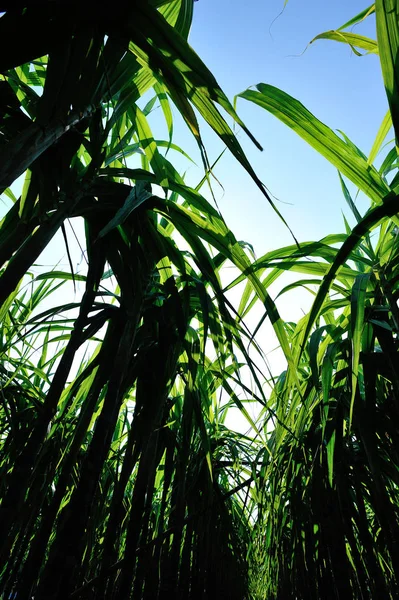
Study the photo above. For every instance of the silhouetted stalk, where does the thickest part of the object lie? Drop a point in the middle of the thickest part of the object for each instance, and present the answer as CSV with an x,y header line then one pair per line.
x,y
38,547
22,472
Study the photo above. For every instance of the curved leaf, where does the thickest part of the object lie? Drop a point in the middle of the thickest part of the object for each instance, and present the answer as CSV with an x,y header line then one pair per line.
x,y
354,40
294,114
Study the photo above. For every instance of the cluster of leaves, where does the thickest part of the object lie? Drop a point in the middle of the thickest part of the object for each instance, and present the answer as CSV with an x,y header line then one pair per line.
x,y
328,506
118,476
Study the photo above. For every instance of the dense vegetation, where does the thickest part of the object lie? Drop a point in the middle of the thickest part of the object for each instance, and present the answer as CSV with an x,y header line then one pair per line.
x,y
119,478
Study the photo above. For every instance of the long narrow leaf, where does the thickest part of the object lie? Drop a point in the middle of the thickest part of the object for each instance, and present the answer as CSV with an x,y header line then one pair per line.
x,y
294,114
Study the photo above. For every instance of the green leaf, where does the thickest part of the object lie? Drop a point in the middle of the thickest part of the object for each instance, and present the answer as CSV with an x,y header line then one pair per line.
x,y
148,144
389,208
186,77
360,17
381,135
126,151
389,162
314,344
357,320
354,40
27,197
348,199
139,194
327,370
387,15
9,193
165,106
60,275
179,14
330,457
294,114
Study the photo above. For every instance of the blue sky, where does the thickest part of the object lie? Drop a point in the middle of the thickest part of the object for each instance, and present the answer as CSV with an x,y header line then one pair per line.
x,y
244,43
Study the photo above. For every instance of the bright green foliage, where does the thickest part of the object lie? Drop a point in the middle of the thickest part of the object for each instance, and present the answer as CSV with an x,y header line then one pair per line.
x,y
119,477
387,12
328,523
354,40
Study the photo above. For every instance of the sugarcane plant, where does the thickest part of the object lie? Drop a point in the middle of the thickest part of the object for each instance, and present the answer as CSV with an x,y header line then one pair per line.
x,y
119,478
328,521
